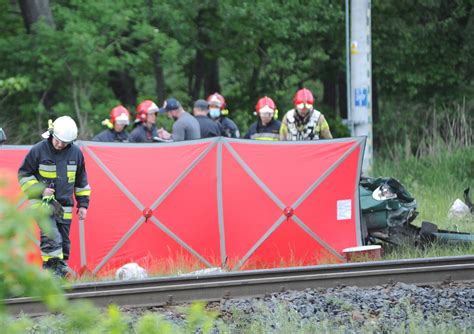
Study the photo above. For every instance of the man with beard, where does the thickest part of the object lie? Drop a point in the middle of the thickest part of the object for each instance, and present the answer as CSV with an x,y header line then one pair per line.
x,y
185,126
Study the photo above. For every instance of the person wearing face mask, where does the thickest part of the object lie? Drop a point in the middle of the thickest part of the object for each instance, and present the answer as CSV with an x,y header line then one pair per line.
x,y
304,122
267,126
118,122
218,113
145,129
208,127
185,126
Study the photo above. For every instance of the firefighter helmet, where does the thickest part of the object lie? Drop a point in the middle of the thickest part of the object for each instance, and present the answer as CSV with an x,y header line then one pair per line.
x,y
217,100
265,104
145,108
63,128
120,115
304,99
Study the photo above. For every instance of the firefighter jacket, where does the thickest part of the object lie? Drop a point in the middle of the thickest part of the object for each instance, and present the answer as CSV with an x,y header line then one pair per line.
x,y
312,127
258,131
109,135
141,134
228,127
65,170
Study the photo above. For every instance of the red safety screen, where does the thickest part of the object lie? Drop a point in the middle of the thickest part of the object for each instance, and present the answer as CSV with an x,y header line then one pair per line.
x,y
215,202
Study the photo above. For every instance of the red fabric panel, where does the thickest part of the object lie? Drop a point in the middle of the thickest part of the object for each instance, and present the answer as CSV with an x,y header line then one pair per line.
x,y
10,161
190,210
288,246
12,158
110,216
148,171
290,170
248,211
153,249
319,210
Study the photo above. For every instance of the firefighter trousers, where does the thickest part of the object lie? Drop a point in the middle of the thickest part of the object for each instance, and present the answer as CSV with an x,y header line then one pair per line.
x,y
55,242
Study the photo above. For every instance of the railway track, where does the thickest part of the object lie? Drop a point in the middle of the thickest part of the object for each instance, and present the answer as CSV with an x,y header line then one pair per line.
x,y
186,288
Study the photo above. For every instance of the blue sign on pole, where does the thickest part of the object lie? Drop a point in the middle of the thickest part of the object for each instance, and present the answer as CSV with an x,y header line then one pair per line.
x,y
361,96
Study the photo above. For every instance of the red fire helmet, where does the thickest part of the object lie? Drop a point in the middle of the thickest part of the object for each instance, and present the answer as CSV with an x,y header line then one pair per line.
x,y
144,108
216,99
120,115
304,98
265,104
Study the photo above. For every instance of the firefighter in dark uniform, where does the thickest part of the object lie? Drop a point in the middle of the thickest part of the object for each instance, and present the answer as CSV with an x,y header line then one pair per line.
x,y
219,114
267,127
145,128
117,125
52,172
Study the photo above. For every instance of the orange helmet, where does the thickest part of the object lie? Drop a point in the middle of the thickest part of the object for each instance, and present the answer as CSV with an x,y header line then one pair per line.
x,y
304,99
145,108
216,99
265,104
120,115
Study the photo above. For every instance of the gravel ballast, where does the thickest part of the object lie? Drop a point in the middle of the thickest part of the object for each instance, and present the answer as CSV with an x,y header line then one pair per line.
x,y
381,308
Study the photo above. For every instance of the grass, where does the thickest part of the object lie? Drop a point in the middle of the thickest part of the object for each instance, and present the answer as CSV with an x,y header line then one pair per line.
x,y
435,182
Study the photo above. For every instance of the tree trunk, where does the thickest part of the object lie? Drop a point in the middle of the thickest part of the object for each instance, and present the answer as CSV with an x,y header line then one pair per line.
x,y
206,64
34,10
330,93
159,78
211,79
198,75
375,108
123,86
342,92
160,86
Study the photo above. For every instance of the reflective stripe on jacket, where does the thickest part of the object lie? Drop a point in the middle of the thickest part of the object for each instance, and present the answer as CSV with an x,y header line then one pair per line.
x,y
44,166
271,131
313,127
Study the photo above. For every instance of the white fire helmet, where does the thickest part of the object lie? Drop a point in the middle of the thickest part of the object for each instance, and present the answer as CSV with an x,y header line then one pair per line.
x,y
63,128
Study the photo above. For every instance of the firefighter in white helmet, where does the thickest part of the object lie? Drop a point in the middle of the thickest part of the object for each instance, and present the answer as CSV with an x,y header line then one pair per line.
x,y
51,173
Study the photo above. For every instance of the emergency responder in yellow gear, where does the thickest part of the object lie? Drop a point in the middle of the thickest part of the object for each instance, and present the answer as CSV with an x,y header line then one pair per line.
x,y
304,122
51,173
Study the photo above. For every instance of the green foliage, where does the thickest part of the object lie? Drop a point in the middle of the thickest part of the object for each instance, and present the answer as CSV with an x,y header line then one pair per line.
x,y
12,85
421,53
17,276
154,324
421,49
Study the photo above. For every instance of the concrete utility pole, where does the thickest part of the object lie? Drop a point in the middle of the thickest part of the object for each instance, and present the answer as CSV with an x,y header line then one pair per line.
x,y
361,77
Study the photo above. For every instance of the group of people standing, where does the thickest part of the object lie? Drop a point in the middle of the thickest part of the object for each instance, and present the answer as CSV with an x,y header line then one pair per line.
x,y
210,119
53,173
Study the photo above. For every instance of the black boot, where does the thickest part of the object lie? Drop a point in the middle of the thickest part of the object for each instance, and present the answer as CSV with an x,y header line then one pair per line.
x,y
49,264
57,266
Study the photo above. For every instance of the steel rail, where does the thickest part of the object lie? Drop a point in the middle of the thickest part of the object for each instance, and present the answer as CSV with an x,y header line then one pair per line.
x,y
162,291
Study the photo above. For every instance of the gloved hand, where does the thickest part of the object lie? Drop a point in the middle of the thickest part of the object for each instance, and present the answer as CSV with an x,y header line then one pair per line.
x,y
57,209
